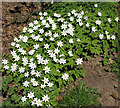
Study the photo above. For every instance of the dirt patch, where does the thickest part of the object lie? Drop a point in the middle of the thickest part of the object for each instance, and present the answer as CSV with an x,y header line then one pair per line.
x,y
97,77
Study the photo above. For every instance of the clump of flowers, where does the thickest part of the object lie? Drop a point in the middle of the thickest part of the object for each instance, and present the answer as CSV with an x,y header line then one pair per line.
x,y
45,53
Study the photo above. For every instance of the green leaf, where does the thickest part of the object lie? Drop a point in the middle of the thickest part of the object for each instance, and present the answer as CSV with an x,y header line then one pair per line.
x,y
54,72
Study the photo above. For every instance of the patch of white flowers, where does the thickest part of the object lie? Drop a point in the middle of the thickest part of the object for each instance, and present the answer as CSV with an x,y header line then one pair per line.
x,y
66,29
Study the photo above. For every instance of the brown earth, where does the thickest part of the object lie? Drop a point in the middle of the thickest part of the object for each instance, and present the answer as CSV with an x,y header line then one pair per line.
x,y
95,74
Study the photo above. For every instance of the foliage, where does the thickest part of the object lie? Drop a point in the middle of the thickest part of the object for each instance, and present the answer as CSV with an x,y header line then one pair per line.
x,y
34,54
80,96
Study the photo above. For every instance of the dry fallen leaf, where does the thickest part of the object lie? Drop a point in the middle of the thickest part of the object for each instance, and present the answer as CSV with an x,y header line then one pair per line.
x,y
58,98
115,96
28,49
20,28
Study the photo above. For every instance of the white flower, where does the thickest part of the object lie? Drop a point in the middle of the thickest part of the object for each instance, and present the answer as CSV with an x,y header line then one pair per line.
x,y
41,18
47,25
58,70
25,63
79,61
65,76
30,95
6,67
43,22
63,26
45,61
56,15
36,46
98,22
17,45
30,30
51,38
49,18
40,60
14,67
31,52
75,14
32,80
106,32
43,86
13,44
80,23
24,29
62,61
33,72
60,44
86,18
40,13
99,14
23,99
13,53
46,46
16,39
38,56
35,83
40,39
108,37
35,27
35,22
61,55
24,59
22,69
73,11
101,36
49,51
41,31
52,55
69,14
30,24
31,60
71,18
71,41
78,39
32,35
23,52
36,38
82,13
64,33
39,103
46,69
45,80
26,84
49,33
4,61
32,65
56,51
50,84
51,21
109,20
33,103
46,98
117,19
78,20
70,53
113,37
37,74
95,5
45,13
79,15
94,29
55,59
17,58
26,74
54,26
